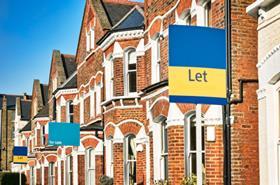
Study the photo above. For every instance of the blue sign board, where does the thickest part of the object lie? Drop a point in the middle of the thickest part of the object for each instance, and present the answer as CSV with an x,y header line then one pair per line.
x,y
64,134
197,65
20,155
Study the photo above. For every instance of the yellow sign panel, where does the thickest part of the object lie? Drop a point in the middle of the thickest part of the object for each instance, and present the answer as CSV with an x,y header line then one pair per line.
x,y
20,159
194,81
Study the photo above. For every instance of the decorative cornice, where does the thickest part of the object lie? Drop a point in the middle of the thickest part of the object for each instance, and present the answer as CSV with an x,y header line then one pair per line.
x,y
268,56
121,35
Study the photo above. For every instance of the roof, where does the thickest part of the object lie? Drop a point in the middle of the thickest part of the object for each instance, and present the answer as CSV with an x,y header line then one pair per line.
x,y
116,11
72,83
25,106
27,127
44,112
69,64
45,91
134,19
96,126
11,100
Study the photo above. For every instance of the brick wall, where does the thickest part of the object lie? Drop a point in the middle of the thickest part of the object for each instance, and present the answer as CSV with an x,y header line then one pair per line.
x,y
81,169
118,163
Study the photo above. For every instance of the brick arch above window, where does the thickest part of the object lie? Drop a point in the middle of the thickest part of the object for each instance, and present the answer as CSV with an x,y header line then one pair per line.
x,y
160,109
59,151
109,130
130,128
183,6
89,142
31,163
155,28
51,158
68,150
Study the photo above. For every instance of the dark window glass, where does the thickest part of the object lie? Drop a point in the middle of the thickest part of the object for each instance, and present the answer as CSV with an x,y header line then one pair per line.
x,y
132,81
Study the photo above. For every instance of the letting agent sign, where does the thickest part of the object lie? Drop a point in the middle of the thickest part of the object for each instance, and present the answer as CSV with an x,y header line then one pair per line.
x,y
197,65
20,155
64,134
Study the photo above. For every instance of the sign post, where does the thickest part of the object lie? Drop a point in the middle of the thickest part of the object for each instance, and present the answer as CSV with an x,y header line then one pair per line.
x,y
197,73
20,157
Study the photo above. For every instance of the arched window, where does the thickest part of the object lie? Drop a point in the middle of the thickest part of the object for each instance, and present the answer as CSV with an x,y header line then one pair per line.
x,y
191,144
90,167
130,71
130,160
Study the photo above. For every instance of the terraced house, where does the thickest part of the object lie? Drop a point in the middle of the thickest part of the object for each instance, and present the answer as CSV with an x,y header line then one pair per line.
x,y
116,88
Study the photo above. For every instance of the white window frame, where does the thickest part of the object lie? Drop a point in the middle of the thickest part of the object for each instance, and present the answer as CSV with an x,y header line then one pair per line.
x,y
188,151
82,110
43,135
110,158
92,38
128,162
69,170
90,167
127,71
68,113
88,38
164,151
92,103
156,59
58,113
98,98
207,7
109,76
51,176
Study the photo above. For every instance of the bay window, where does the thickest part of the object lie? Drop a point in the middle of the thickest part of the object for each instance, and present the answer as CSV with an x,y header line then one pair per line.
x,y
130,160
90,167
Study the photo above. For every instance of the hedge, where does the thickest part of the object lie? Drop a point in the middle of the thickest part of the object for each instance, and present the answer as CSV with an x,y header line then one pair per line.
x,y
8,178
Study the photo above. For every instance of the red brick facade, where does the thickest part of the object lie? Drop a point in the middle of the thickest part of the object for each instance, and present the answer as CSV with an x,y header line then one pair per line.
x,y
128,130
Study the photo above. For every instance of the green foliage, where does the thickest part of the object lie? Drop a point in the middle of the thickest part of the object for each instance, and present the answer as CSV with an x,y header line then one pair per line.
x,y
8,178
105,180
192,180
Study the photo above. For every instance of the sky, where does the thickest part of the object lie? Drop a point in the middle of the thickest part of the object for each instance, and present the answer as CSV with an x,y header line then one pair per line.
x,y
29,32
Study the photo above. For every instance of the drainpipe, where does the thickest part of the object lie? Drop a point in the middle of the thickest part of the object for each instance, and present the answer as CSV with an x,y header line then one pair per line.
x,y
241,87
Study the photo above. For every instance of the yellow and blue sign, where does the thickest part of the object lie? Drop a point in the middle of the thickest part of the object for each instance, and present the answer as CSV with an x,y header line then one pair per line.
x,y
197,65
64,134
20,155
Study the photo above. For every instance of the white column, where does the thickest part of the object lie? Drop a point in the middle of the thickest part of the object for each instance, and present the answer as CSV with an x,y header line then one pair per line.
x,y
198,145
148,179
43,173
75,168
59,171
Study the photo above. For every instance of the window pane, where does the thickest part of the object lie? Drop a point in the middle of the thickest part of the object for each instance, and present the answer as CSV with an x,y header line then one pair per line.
x,y
132,81
132,67
193,136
